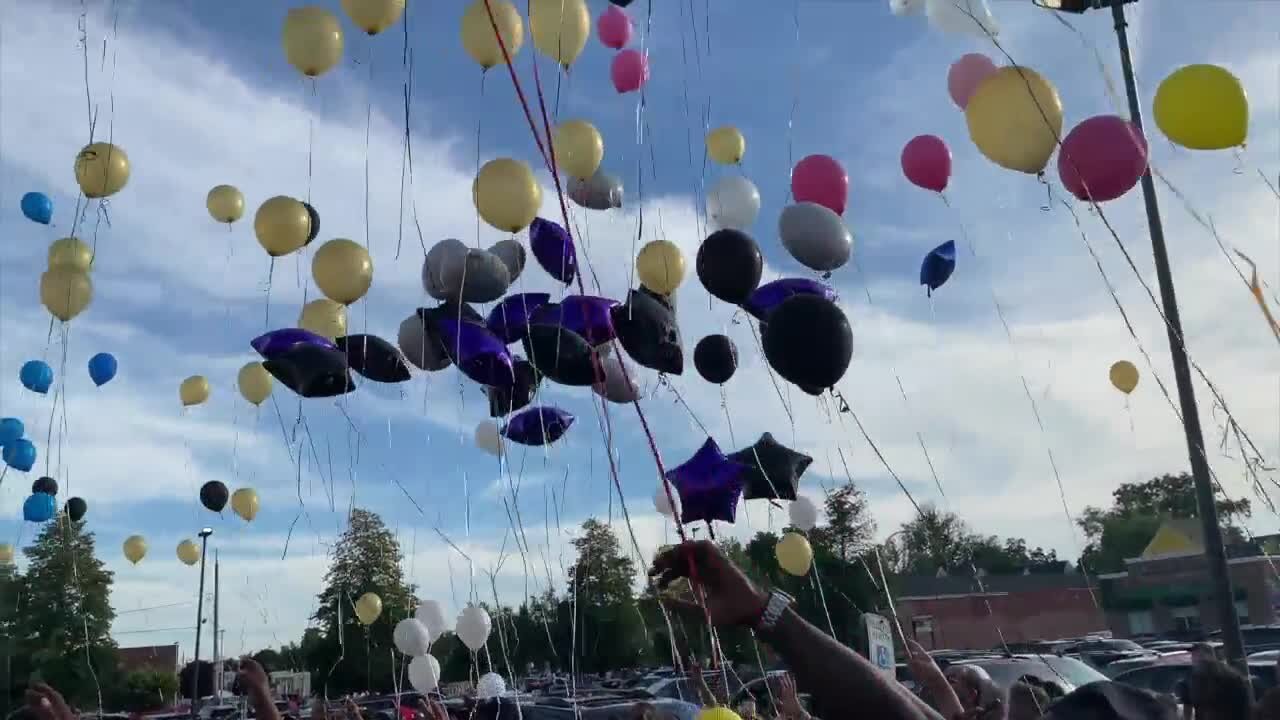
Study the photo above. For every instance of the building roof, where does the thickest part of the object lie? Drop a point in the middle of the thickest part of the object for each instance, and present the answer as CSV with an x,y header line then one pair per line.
x,y
1176,536
932,586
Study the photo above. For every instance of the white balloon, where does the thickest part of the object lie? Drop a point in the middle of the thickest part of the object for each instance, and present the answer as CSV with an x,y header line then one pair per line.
x,y
444,269
906,7
663,503
411,637
490,685
424,673
733,203
803,513
473,627
815,236
618,386
488,439
970,17
431,615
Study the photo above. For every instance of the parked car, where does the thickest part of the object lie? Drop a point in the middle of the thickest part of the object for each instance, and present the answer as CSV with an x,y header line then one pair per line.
x,y
1100,652
1068,673
1166,677
606,706
1256,637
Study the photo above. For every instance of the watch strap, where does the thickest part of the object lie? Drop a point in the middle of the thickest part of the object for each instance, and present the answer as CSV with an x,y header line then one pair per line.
x,y
777,603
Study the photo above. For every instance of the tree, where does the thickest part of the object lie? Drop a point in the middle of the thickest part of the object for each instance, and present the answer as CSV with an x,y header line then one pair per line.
x,y
197,678
850,527
610,628
271,660
935,540
145,690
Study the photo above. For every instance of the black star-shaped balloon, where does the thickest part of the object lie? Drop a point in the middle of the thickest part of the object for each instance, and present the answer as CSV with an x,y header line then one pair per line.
x,y
775,469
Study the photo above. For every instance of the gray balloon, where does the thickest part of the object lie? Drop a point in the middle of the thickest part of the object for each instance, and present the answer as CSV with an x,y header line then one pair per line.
x,y
443,268
485,277
512,254
815,236
420,347
601,191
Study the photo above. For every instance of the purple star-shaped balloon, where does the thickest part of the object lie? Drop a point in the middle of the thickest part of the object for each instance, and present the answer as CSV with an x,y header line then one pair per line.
x,y
509,319
272,344
765,298
553,249
478,353
709,485
587,315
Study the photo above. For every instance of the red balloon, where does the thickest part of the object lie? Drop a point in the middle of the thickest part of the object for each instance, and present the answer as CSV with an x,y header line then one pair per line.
x,y
926,161
1102,158
820,179
614,28
629,71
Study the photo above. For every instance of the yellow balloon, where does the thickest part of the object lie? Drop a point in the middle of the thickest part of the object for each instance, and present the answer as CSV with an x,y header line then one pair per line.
x,y
660,266
1203,107
254,382
135,548
225,203
312,40
65,292
102,170
718,712
70,253
282,225
194,390
560,28
478,38
188,552
726,145
579,148
1015,119
373,16
324,317
368,608
1124,376
6,554
245,503
342,270
506,194
794,554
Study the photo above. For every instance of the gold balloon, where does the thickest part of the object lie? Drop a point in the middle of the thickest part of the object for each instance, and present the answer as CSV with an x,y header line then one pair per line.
x,y
560,28
368,608
660,266
70,253
254,382
282,225
135,548
373,16
65,292
794,553
579,148
477,31
312,40
245,503
1202,107
342,270
726,145
188,552
102,170
324,317
1124,376
506,194
225,203
6,554
1015,119
194,390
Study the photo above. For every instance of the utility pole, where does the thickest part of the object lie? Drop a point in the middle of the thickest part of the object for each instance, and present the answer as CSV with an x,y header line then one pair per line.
x,y
195,664
217,646
1214,550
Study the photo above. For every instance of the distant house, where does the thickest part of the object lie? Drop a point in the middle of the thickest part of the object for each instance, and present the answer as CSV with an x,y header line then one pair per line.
x,y
155,658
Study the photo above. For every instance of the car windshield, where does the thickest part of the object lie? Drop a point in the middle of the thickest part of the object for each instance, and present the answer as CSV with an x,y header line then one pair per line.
x,y
1061,670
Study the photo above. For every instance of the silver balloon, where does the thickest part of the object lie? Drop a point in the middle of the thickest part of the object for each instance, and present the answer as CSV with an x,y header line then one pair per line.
x,y
619,385
815,236
419,347
443,269
512,254
485,277
601,191
733,203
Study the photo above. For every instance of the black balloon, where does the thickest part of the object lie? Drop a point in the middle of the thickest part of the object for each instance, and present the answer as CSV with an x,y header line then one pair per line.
x,y
621,3
648,331
76,508
46,485
312,371
504,401
668,301
775,469
808,341
315,222
449,309
561,354
213,495
729,265
716,358
374,358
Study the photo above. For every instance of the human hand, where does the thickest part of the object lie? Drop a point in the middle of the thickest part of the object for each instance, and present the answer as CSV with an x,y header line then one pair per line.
x,y
252,676
433,710
353,710
318,710
47,703
921,663
723,592
789,700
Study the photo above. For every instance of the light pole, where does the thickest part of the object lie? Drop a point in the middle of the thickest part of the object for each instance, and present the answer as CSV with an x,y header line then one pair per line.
x,y
195,664
1214,551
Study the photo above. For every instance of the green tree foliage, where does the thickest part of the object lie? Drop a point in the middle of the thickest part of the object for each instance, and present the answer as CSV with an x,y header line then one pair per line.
x,y
196,678
144,691
937,540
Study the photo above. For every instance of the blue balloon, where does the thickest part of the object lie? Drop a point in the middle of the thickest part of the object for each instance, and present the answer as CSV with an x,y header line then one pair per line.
x,y
102,367
11,429
36,376
39,508
20,455
938,266
38,207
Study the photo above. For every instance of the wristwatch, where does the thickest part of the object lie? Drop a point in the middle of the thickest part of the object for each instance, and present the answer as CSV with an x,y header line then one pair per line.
x,y
778,602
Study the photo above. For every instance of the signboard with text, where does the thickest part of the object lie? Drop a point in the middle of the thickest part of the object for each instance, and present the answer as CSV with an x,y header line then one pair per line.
x,y
880,643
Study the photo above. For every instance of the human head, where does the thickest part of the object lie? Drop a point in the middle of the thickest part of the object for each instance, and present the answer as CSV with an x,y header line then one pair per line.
x,y
1107,700
973,686
1218,692
1027,702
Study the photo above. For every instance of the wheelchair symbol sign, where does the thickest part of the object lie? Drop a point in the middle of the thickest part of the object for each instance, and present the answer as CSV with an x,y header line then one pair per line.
x,y
883,660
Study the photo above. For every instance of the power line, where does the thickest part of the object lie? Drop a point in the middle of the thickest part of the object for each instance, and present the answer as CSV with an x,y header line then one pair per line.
x,y
150,630
153,607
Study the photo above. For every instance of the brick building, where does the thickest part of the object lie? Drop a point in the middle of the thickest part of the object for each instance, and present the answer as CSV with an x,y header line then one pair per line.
x,y
157,658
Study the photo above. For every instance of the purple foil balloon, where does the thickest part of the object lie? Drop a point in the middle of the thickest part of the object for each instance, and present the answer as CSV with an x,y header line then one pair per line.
x,y
538,425
509,319
272,344
587,315
709,485
553,249
478,353
765,298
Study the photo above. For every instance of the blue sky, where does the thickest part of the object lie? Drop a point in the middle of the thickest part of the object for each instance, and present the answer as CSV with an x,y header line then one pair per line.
x,y
199,94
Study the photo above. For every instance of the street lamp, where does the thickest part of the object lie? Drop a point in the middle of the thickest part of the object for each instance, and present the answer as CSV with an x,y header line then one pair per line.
x,y
195,664
1214,552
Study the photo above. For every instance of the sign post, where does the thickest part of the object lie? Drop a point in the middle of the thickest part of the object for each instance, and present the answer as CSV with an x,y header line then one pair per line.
x,y
880,643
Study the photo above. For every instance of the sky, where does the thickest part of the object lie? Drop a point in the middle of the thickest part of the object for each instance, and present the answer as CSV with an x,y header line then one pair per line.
x,y
1021,426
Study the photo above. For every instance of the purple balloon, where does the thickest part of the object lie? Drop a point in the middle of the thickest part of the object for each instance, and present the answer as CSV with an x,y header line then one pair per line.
x,y
538,425
765,298
478,353
587,315
272,344
509,319
553,249
709,485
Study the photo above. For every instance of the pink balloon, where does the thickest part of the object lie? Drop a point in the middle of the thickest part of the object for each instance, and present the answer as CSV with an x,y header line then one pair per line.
x,y
614,27
820,179
1102,158
630,70
966,74
926,161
